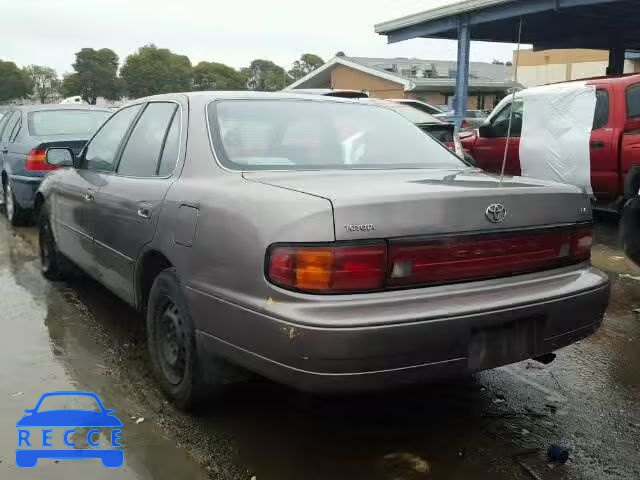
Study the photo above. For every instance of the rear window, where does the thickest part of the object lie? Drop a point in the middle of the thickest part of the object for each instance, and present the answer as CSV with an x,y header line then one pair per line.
x,y
66,122
411,113
308,135
633,101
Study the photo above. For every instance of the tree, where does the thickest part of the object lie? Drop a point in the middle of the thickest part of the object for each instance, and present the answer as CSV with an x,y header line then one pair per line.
x,y
308,63
152,70
45,82
266,76
217,76
14,83
95,75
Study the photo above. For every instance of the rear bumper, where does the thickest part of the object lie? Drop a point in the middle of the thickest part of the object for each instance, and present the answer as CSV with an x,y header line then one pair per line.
x,y
348,359
24,189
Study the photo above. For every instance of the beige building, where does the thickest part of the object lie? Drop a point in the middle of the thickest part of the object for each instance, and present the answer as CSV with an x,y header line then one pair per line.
x,y
432,81
551,66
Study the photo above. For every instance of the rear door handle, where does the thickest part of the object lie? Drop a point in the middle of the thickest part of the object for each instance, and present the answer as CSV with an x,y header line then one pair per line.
x,y
88,196
597,144
144,212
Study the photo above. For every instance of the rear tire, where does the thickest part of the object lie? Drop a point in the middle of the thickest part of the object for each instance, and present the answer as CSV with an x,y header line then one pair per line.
x,y
16,215
53,264
172,343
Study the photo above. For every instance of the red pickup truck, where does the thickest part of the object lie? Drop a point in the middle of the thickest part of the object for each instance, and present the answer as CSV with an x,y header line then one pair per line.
x,y
614,145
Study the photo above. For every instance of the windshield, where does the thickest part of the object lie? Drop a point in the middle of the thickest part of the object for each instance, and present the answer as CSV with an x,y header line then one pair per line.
x,y
310,135
66,122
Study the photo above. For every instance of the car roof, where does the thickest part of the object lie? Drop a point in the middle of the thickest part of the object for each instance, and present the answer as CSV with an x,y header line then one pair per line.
x,y
246,95
57,106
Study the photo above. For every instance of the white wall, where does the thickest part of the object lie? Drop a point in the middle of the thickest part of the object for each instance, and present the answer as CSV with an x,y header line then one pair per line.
x,y
532,76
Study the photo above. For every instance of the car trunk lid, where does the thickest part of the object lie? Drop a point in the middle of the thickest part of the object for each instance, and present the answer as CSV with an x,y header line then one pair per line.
x,y
400,203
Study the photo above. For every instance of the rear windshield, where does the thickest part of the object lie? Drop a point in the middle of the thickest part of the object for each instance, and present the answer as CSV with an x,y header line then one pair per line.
x,y
66,122
311,135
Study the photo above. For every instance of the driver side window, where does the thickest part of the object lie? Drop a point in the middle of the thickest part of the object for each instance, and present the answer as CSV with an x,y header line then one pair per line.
x,y
101,152
500,123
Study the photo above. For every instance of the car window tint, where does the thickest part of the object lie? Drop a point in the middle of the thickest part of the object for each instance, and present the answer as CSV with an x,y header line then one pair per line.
x,y
633,101
8,128
101,151
171,148
141,154
601,116
500,123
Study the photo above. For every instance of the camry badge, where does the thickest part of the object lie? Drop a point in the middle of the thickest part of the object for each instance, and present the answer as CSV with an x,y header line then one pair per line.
x,y
496,213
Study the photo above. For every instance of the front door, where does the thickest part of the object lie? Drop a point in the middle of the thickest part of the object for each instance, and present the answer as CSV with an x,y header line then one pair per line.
x,y
75,192
129,201
489,149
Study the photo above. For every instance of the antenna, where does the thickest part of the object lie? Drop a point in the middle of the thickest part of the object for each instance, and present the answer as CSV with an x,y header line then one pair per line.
x,y
513,99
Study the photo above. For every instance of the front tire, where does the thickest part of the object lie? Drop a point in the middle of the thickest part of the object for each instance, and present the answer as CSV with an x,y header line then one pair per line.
x,y
53,264
171,342
16,215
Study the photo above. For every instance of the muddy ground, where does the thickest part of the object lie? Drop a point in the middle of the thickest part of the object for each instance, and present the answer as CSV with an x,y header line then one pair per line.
x,y
494,425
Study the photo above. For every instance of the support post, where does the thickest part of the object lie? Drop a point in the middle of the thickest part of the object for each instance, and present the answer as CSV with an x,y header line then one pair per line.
x,y
616,61
462,73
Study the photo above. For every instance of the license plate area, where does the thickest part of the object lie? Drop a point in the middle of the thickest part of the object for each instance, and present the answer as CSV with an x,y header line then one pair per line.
x,y
506,343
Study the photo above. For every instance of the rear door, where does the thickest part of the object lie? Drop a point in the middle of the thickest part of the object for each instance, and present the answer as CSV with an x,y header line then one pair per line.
x,y
75,189
604,164
489,151
630,153
129,200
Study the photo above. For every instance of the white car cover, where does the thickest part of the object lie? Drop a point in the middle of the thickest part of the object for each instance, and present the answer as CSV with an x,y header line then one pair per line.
x,y
556,132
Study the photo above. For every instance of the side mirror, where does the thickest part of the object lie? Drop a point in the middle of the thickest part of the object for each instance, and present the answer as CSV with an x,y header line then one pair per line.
x,y
485,130
60,157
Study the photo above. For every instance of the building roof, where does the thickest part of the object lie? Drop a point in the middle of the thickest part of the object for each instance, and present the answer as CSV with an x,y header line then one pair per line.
x,y
599,24
412,73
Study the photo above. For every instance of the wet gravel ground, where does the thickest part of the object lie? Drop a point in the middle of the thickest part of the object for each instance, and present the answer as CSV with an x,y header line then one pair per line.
x,y
494,425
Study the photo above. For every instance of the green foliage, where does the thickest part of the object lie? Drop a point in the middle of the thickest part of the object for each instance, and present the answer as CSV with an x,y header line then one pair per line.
x,y
308,63
14,83
217,76
95,75
152,70
266,76
45,82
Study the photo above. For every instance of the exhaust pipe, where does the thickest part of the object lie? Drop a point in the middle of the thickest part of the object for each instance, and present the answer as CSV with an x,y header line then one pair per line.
x,y
545,359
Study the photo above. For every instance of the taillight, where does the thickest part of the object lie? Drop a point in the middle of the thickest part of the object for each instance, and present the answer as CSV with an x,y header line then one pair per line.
x,y
581,242
327,269
37,160
416,262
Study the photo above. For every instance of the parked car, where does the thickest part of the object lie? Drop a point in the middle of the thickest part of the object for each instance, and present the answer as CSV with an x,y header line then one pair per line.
x,y
321,242
25,134
438,129
423,106
329,92
472,119
614,145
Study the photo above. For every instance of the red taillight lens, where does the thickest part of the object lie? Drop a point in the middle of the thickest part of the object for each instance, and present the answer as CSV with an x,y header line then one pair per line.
x,y
37,160
329,269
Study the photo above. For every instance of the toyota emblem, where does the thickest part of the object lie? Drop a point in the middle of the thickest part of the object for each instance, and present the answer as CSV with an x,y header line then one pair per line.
x,y
496,213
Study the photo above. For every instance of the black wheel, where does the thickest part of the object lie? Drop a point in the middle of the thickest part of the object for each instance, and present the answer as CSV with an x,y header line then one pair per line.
x,y
53,264
171,342
15,213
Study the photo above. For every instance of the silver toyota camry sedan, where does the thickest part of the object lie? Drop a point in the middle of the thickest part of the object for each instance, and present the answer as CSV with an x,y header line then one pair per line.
x,y
319,242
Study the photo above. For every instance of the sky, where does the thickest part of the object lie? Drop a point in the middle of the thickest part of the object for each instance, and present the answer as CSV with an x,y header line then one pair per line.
x,y
49,32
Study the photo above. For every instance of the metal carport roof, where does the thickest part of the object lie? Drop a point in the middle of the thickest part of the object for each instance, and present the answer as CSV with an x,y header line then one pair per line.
x,y
547,24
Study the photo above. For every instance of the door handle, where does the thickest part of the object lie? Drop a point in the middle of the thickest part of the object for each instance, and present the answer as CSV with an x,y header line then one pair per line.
x,y
597,144
144,212
4,150
88,196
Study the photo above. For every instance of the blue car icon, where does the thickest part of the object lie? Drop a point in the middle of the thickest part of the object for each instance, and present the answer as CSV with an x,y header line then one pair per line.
x,y
70,418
